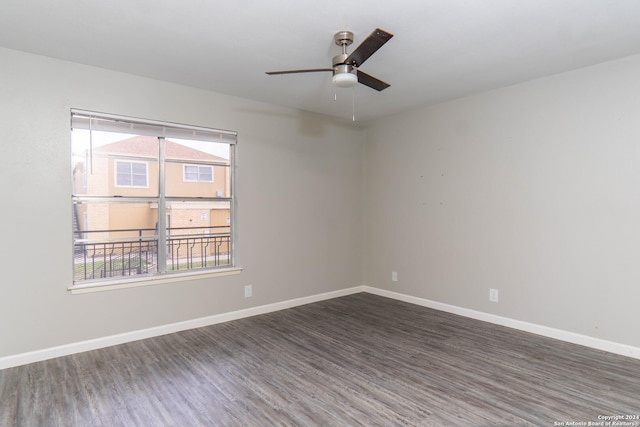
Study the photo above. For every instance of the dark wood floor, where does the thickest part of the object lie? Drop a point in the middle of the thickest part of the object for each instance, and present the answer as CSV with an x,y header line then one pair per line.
x,y
357,360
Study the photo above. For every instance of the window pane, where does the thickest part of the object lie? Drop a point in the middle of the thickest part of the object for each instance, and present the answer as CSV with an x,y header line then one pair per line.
x,y
190,173
205,173
139,181
123,171
114,239
197,169
114,164
198,235
139,175
123,168
139,168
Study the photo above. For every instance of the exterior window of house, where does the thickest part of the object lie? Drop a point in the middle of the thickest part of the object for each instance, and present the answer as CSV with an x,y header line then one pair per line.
x,y
200,173
149,198
131,174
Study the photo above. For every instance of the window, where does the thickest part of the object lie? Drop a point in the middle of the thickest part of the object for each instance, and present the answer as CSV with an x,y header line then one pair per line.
x,y
136,210
131,174
198,173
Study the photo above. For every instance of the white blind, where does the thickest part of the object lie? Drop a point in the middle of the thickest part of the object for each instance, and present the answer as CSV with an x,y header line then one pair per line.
x,y
111,123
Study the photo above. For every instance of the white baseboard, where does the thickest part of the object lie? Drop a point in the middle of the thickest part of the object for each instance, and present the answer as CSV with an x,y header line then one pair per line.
x,y
65,350
94,344
587,341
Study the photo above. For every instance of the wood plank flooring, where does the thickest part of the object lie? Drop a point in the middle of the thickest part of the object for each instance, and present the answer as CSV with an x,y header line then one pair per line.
x,y
351,361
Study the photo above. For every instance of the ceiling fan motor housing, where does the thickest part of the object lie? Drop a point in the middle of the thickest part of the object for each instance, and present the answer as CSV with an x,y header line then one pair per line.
x,y
341,67
340,59
343,38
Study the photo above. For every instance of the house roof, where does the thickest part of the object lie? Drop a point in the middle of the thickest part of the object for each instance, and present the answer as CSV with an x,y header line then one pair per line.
x,y
147,146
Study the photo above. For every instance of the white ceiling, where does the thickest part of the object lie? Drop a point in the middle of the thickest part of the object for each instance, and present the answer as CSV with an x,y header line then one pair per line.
x,y
442,49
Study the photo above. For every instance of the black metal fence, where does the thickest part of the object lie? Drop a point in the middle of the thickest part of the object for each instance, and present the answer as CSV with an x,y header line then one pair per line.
x,y
103,254
187,250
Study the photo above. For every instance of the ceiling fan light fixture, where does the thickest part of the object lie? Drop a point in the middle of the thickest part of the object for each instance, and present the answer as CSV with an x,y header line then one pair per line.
x,y
345,79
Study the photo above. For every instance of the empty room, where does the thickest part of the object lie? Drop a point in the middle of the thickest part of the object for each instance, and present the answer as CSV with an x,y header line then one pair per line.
x,y
304,213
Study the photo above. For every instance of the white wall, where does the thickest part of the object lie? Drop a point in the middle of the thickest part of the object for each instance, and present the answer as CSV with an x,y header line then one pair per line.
x,y
300,201
532,189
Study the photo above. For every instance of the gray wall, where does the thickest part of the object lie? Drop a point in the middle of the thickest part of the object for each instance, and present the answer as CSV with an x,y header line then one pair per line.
x,y
300,204
532,189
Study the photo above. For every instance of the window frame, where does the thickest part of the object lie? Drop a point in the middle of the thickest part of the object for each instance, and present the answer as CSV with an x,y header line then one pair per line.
x,y
116,174
82,119
210,167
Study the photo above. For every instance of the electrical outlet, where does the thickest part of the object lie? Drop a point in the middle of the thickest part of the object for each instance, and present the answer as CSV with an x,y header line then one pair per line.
x,y
248,291
394,276
493,295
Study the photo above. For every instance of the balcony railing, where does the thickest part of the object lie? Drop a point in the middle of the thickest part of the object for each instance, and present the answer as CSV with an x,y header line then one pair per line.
x,y
101,254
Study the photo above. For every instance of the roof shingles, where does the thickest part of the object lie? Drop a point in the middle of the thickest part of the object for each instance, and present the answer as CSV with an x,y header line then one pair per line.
x,y
147,146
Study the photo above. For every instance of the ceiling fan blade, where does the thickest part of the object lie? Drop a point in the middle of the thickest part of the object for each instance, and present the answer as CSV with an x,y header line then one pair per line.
x,y
310,70
371,81
368,47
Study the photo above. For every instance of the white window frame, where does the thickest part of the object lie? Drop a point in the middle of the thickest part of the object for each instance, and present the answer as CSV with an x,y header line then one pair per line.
x,y
184,172
115,173
88,120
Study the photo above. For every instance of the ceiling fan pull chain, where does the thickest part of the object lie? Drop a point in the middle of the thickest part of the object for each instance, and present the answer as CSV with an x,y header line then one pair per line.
x,y
353,104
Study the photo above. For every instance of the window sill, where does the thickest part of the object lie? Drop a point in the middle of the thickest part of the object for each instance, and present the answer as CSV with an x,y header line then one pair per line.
x,y
151,280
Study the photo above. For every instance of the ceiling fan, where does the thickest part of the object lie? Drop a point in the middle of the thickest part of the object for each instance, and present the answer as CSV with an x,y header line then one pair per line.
x,y
346,66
